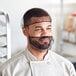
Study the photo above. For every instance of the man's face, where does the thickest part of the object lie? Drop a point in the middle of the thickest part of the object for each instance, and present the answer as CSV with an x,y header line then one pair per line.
x,y
40,35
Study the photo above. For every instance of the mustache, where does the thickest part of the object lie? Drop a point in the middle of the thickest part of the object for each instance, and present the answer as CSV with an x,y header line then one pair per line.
x,y
41,37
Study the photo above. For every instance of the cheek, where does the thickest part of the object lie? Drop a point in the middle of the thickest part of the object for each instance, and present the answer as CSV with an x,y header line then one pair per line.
x,y
50,33
33,33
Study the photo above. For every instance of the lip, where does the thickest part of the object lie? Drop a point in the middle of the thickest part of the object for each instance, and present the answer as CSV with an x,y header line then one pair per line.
x,y
45,40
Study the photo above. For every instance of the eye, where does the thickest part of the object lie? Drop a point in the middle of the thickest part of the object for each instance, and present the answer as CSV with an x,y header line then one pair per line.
x,y
38,29
49,28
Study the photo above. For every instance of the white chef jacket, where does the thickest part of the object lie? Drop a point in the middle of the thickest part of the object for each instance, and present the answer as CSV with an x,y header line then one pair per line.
x,y
25,64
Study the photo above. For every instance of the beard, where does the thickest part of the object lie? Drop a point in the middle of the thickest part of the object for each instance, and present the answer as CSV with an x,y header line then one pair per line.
x,y
40,45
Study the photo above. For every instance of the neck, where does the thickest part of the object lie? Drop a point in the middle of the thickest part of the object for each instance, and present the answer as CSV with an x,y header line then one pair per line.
x,y
39,54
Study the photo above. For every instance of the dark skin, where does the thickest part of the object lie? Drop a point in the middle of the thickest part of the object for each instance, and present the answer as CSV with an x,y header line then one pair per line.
x,y
38,30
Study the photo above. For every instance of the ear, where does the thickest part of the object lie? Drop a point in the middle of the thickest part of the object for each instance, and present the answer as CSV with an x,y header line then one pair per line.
x,y
25,32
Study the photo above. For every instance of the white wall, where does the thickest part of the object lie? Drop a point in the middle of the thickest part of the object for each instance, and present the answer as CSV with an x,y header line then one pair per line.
x,y
15,10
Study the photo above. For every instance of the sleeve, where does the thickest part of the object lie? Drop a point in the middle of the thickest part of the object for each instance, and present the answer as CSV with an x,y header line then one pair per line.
x,y
4,73
67,65
5,70
70,69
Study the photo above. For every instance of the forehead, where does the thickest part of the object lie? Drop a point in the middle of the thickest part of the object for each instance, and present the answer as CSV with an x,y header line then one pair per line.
x,y
34,20
41,24
40,19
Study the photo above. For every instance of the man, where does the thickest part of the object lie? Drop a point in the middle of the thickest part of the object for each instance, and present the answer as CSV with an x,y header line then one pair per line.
x,y
36,59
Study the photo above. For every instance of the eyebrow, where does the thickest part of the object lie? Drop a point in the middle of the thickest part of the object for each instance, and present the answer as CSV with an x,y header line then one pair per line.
x,y
49,25
40,26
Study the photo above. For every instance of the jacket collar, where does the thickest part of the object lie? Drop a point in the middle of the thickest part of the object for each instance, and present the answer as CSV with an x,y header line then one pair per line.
x,y
31,57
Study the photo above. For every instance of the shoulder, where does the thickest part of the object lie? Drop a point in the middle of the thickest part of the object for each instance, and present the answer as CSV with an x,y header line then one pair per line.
x,y
60,58
19,57
65,63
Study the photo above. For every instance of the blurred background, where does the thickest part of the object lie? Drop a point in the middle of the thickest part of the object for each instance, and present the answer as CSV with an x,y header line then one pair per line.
x,y
63,13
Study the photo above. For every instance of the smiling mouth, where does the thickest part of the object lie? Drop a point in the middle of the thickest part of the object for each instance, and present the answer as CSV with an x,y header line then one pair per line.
x,y
44,40
41,42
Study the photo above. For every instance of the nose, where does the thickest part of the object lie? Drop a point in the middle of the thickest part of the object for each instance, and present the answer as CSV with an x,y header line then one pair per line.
x,y
45,33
